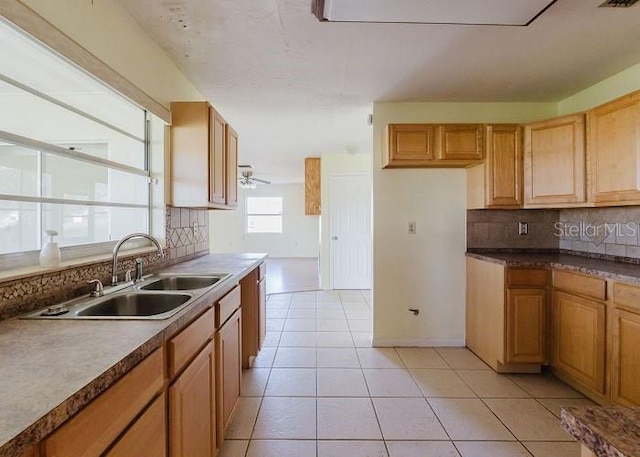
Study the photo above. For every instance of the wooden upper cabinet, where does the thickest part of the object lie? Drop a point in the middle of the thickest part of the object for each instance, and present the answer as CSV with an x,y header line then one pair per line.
x,y
554,162
433,145
461,142
497,183
217,159
203,157
312,200
410,145
231,137
614,151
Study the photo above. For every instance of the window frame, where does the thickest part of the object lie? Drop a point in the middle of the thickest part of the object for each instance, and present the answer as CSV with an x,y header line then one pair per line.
x,y
247,214
29,258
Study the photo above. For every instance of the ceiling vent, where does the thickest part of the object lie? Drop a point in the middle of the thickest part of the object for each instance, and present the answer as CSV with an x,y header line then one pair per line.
x,y
617,4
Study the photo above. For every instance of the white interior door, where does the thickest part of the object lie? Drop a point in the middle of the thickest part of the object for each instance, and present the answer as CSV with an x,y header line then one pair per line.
x,y
351,231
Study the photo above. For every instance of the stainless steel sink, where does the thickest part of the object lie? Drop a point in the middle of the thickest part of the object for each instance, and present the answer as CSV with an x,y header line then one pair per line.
x,y
155,297
183,282
135,305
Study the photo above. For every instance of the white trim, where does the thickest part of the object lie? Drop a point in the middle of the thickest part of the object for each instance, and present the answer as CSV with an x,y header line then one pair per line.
x,y
418,342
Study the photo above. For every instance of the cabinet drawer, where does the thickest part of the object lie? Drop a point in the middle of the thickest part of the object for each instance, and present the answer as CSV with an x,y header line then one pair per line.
x,y
527,277
227,305
147,436
262,270
185,345
93,429
580,284
626,296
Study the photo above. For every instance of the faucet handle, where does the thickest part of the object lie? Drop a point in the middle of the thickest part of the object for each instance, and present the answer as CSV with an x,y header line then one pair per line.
x,y
99,289
127,276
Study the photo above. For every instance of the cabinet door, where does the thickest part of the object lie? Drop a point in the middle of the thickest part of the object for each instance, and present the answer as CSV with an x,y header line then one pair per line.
x,y
410,145
192,408
250,317
526,325
312,186
230,370
232,167
262,312
579,340
461,142
190,154
614,151
217,167
147,436
625,377
503,165
554,162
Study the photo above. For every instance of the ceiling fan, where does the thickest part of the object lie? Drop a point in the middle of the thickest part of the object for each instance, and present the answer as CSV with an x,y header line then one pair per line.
x,y
247,180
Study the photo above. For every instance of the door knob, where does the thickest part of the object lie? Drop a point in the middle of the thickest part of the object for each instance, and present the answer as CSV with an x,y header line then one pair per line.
x,y
334,238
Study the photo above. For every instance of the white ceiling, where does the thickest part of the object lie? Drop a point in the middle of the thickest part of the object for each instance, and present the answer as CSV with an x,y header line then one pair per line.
x,y
294,87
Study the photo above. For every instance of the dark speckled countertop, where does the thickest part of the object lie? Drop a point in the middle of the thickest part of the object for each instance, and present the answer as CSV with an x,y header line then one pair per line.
x,y
611,431
50,369
607,269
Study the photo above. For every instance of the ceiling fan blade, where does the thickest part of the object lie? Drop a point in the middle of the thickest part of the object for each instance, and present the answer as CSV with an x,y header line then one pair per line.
x,y
263,181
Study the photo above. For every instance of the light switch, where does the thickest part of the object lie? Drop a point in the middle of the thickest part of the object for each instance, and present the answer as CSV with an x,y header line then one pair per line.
x,y
412,227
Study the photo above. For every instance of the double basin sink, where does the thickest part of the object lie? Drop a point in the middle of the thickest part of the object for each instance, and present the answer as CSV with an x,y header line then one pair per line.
x,y
155,297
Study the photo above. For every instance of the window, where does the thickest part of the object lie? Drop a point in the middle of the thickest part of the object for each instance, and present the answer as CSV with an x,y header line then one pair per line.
x,y
73,153
264,214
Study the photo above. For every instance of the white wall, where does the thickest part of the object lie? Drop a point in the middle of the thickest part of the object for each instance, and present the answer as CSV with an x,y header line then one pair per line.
x,y
300,237
106,30
425,270
331,164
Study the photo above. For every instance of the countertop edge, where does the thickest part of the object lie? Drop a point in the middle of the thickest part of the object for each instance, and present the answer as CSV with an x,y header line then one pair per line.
x,y
566,262
588,434
50,421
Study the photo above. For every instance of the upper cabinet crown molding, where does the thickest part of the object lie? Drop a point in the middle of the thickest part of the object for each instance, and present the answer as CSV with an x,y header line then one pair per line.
x,y
433,145
204,158
554,162
614,151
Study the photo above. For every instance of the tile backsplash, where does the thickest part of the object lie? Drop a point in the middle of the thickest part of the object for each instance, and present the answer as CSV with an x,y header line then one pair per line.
x,y
41,289
612,232
498,229
605,231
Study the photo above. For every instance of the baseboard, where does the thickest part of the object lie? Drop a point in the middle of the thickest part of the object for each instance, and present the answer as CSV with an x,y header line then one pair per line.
x,y
418,342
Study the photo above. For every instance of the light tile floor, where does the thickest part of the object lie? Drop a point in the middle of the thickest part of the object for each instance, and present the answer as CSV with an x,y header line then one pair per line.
x,y
319,390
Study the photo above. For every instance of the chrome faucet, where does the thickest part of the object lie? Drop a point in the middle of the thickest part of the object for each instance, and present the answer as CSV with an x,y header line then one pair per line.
x,y
114,272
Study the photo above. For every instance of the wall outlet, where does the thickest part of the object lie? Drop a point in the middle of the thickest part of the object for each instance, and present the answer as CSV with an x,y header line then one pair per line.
x,y
196,229
523,228
412,227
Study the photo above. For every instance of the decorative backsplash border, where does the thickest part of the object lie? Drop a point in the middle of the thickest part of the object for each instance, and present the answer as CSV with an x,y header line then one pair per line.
x,y
182,243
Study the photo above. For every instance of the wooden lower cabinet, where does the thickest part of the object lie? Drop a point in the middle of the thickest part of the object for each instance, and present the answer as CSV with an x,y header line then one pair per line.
x,y
579,346
625,363
95,428
262,306
229,370
526,326
506,316
147,436
192,408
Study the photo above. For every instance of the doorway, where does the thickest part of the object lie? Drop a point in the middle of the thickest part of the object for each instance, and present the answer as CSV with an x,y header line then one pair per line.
x,y
350,196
